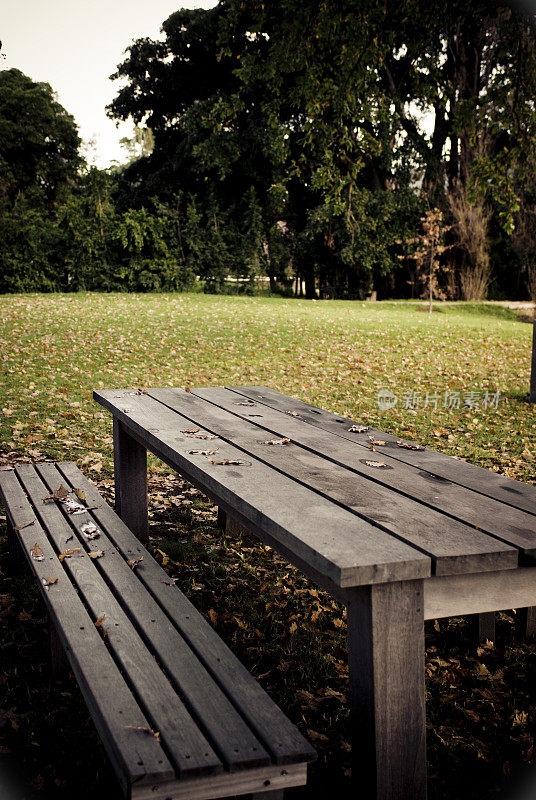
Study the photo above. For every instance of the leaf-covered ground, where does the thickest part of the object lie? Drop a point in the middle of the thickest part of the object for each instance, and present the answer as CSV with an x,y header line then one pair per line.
x,y
55,349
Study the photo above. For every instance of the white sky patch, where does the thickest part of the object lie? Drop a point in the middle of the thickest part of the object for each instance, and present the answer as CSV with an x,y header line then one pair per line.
x,y
75,45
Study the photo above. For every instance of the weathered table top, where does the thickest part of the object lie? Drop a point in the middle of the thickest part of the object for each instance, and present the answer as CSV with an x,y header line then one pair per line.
x,y
356,505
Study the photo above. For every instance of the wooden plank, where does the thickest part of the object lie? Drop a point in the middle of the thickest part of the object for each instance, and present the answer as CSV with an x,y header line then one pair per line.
x,y
228,733
457,595
388,721
454,546
187,747
279,736
495,518
345,548
515,493
135,759
239,784
130,474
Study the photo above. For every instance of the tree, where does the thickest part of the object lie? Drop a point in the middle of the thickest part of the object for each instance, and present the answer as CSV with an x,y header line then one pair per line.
x,y
40,143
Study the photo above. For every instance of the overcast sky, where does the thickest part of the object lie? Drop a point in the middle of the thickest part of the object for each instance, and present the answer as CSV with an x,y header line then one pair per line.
x,y
75,45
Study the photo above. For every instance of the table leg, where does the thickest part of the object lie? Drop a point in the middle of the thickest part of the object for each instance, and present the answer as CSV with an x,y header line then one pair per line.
x,y
483,627
526,622
130,474
388,717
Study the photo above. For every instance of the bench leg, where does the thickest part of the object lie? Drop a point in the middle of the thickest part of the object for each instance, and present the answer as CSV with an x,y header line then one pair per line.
x,y
483,627
526,622
222,519
130,475
388,717
59,663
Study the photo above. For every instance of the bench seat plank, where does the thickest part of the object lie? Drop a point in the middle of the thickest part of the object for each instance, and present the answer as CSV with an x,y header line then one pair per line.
x,y
135,758
189,750
346,549
454,546
492,484
271,726
231,736
508,524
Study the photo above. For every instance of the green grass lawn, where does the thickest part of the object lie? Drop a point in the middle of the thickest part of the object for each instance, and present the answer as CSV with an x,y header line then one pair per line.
x,y
54,349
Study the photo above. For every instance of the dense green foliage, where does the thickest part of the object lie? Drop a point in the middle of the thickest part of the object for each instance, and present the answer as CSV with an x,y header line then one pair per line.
x,y
287,139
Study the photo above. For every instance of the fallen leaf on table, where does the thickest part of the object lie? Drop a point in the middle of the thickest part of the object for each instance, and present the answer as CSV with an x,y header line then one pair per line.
x,y
58,494
409,446
96,554
147,731
69,553
37,553
229,462
99,626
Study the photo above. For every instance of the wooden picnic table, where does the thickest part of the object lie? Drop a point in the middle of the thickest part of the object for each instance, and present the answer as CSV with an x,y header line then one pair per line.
x,y
398,534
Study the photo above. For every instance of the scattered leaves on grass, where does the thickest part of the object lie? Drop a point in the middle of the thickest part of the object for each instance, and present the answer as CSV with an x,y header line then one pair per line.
x,y
147,731
69,553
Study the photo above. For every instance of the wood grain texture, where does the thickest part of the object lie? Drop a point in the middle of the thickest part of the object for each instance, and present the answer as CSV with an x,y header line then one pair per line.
x,y
279,737
135,759
493,517
188,749
453,546
457,595
507,490
386,660
240,784
229,735
345,548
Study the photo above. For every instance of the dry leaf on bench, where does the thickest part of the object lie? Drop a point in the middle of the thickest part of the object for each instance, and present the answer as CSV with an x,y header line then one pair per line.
x,y
375,463
278,441
99,626
202,452
229,462
21,527
49,582
190,431
293,413
37,553
80,494
69,553
96,554
133,562
358,429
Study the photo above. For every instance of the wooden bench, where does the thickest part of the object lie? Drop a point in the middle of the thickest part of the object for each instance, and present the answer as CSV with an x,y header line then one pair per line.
x,y
179,715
